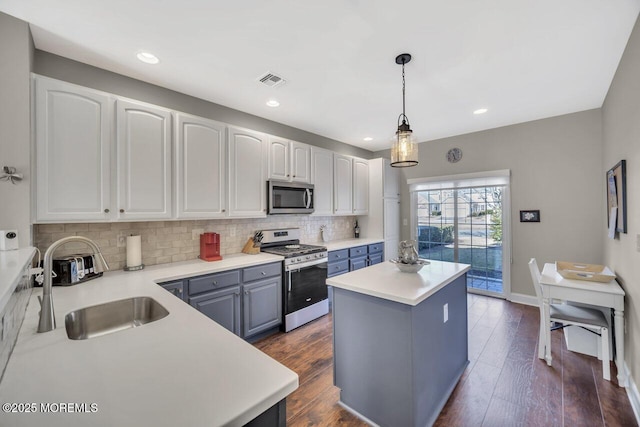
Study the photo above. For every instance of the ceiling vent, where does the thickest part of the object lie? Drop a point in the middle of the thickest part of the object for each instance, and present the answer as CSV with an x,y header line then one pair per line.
x,y
272,80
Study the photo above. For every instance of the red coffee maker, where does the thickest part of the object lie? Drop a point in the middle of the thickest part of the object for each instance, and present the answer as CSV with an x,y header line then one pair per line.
x,y
210,247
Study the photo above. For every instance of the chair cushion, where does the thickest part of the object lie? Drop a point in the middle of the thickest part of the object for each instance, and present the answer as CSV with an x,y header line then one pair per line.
x,y
571,313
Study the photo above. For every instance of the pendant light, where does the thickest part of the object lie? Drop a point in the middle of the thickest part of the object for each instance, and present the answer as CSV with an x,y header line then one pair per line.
x,y
404,151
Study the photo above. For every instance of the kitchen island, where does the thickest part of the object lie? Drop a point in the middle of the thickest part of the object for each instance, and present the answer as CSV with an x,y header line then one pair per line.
x,y
181,370
400,341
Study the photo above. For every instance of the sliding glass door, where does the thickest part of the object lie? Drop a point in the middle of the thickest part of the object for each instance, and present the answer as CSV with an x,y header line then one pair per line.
x,y
465,225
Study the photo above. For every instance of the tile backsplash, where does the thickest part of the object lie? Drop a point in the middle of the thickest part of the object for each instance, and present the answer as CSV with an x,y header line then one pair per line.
x,y
171,241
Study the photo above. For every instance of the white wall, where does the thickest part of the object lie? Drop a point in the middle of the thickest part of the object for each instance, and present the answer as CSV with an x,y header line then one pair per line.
x,y
556,167
621,135
16,53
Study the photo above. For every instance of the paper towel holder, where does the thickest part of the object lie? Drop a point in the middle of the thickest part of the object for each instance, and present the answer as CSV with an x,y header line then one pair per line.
x,y
133,267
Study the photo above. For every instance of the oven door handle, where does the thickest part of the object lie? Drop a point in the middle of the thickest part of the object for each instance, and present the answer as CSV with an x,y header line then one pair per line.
x,y
289,280
309,263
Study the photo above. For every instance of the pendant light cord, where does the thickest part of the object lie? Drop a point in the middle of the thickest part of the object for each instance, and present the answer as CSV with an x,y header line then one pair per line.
x,y
403,114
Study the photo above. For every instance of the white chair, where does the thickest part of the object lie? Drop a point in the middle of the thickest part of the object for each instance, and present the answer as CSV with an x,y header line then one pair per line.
x,y
590,319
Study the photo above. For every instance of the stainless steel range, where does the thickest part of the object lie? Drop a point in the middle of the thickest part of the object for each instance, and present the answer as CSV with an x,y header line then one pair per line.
x,y
305,294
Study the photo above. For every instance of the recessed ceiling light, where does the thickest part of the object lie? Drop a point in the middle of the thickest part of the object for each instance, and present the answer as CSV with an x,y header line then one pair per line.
x,y
273,103
480,111
368,138
147,57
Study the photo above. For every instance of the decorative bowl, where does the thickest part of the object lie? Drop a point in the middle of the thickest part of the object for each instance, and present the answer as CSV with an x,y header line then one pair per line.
x,y
409,268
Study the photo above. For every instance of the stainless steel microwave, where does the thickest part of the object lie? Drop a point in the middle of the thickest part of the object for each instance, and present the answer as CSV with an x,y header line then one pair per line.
x,y
289,198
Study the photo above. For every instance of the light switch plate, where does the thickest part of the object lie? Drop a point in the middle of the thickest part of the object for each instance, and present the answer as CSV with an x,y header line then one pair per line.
x,y
122,240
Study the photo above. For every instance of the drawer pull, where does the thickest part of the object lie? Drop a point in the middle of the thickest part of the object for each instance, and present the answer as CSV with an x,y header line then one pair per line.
x,y
263,273
215,282
308,299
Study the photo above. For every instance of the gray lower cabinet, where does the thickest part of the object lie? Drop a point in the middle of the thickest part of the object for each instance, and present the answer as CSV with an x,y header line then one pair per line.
x,y
357,263
345,260
221,306
376,253
262,305
176,288
246,301
338,262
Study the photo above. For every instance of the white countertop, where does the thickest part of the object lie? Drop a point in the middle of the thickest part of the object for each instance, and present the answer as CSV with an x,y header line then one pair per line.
x,y
11,265
182,370
336,245
384,280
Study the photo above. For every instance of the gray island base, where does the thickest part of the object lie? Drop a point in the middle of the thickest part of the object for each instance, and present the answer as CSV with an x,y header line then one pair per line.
x,y
396,358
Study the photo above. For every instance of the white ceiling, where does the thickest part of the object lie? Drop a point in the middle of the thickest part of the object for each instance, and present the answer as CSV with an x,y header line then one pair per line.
x,y
523,60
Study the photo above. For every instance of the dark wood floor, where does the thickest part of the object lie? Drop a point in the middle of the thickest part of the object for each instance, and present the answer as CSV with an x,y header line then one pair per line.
x,y
505,383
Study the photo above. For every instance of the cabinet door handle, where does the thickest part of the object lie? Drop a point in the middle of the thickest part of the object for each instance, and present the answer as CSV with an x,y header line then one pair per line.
x,y
263,273
246,292
106,211
215,282
308,299
121,210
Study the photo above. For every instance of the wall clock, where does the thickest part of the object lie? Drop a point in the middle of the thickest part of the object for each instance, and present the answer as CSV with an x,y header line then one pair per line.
x,y
454,155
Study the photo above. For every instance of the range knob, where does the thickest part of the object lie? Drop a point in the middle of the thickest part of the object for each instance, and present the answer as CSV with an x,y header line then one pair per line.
x,y
308,257
298,259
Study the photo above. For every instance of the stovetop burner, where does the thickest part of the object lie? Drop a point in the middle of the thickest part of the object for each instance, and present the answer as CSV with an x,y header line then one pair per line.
x,y
294,250
286,242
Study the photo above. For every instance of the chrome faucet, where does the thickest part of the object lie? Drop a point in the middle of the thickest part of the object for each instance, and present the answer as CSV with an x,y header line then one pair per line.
x,y
47,318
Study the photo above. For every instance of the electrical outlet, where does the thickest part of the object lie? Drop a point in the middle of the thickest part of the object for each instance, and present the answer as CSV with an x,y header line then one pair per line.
x,y
122,240
196,232
232,232
638,242
445,310
405,222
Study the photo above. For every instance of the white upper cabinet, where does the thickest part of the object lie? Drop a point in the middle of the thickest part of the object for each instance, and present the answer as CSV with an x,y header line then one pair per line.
x,y
322,180
289,160
391,179
247,173
72,134
300,162
279,161
342,184
144,161
201,150
360,186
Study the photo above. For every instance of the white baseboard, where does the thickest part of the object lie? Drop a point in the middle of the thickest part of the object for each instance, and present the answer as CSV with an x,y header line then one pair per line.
x,y
524,299
632,392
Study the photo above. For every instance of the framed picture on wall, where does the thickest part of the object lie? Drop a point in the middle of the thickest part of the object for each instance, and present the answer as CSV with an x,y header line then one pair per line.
x,y
530,216
617,196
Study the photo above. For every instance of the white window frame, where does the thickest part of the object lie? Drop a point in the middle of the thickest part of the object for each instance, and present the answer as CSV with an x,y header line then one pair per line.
x,y
475,179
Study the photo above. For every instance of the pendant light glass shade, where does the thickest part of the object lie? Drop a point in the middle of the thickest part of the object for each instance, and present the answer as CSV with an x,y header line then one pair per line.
x,y
404,151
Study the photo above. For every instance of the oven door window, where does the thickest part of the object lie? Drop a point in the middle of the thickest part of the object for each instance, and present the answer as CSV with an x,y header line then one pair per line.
x,y
305,287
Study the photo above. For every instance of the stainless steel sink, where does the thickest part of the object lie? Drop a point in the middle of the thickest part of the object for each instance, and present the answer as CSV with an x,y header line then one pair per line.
x,y
114,316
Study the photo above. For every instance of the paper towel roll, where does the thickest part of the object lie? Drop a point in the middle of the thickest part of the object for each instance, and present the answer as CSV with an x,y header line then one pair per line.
x,y
134,251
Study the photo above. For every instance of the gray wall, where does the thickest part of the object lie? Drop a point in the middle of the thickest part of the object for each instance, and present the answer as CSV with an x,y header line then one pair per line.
x,y
621,135
16,57
556,166
61,68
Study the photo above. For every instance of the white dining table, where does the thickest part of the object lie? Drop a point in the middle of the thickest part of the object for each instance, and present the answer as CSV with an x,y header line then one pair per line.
x,y
610,295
